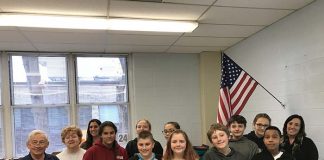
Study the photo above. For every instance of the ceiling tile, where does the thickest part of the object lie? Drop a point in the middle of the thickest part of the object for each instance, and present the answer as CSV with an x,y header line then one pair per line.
x,y
200,2
224,30
206,41
5,28
222,25
55,47
12,36
135,48
66,37
279,4
151,10
243,16
62,7
188,49
140,40
16,46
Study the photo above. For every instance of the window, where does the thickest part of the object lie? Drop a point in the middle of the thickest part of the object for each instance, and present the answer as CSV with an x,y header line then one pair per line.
x,y
102,92
39,99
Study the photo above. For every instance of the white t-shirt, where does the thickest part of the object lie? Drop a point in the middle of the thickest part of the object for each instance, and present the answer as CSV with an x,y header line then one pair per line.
x,y
65,155
278,155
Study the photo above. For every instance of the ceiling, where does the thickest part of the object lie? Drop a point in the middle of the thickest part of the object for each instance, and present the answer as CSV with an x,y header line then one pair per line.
x,y
222,23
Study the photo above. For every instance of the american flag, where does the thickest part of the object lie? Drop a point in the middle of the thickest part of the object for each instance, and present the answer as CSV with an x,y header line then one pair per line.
x,y
236,88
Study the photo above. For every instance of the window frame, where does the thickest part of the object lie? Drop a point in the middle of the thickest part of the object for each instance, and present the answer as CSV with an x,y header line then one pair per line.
x,y
14,106
72,104
127,84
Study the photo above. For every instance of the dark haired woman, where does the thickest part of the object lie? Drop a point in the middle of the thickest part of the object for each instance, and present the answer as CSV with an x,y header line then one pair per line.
x,y
107,147
295,140
92,133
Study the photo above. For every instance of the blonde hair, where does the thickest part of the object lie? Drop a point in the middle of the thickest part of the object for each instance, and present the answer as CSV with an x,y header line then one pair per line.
x,y
71,129
214,127
146,121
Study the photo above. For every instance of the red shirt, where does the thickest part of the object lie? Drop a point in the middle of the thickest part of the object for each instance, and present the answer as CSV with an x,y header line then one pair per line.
x,y
100,152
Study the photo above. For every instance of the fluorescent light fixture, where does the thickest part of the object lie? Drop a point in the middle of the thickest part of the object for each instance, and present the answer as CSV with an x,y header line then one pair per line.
x,y
77,22
151,25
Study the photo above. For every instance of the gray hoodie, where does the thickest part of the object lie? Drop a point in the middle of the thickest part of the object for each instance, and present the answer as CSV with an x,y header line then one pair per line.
x,y
214,154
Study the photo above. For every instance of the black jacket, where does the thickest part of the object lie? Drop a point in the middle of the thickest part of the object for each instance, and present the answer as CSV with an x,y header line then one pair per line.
x,y
265,155
47,157
307,149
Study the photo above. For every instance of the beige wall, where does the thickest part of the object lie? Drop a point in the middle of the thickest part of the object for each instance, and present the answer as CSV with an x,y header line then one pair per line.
x,y
210,67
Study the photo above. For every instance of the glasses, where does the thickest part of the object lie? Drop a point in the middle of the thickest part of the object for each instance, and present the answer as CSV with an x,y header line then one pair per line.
x,y
168,131
262,125
41,143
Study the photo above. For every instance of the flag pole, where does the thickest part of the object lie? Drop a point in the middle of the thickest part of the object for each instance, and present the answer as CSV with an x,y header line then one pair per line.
x,y
283,105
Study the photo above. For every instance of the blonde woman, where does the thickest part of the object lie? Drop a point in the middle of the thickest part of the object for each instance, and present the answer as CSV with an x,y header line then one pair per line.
x,y
71,136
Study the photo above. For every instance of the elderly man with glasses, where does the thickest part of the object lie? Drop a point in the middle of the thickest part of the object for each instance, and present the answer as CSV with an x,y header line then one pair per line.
x,y
37,143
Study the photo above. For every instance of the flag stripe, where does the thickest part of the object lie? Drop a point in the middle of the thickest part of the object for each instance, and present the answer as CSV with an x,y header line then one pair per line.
x,y
246,99
244,96
224,112
238,83
243,90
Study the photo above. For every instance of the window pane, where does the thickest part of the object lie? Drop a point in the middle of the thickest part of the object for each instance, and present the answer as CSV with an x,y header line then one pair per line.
x,y
101,79
115,113
39,80
49,119
1,135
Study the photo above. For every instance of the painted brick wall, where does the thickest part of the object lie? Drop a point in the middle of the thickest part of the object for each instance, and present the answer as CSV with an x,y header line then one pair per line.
x,y
288,59
166,88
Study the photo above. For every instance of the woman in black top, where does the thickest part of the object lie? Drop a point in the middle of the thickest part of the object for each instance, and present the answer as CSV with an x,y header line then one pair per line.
x,y
295,140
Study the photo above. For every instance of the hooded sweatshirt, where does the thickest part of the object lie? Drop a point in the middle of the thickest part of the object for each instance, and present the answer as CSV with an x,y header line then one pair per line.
x,y
245,146
258,140
100,152
214,154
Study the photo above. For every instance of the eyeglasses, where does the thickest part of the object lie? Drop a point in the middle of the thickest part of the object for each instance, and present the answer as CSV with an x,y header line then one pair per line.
x,y
41,143
260,125
168,131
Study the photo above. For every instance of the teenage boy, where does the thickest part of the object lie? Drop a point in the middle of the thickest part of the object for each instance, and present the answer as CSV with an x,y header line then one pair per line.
x,y
246,147
145,145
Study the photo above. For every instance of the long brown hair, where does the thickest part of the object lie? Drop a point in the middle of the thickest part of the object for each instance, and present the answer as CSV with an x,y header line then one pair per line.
x,y
189,153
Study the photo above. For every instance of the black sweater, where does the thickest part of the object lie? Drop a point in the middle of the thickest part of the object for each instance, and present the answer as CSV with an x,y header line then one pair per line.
x,y
307,150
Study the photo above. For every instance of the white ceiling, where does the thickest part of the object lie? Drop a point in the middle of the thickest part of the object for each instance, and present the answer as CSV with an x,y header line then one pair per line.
x,y
222,23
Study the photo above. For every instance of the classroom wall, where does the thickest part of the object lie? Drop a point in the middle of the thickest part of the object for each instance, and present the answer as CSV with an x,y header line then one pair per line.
x,y
165,87
287,58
